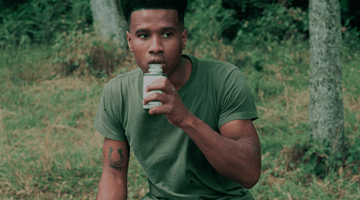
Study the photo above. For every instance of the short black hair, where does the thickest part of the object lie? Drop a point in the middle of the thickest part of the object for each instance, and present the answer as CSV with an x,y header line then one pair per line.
x,y
129,6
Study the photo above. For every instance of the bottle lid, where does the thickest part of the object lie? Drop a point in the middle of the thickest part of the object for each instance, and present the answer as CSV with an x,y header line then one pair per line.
x,y
155,68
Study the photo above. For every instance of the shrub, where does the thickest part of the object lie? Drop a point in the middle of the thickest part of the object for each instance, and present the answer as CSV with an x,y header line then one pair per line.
x,y
200,33
319,159
40,21
86,54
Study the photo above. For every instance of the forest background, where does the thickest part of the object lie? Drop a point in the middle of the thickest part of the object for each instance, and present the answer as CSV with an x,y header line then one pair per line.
x,y
53,68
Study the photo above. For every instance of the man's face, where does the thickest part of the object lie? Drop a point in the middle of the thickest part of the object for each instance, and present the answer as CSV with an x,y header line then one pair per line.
x,y
156,36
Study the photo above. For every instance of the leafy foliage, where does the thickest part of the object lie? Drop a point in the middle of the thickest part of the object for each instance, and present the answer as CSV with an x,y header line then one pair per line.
x,y
254,10
40,21
86,54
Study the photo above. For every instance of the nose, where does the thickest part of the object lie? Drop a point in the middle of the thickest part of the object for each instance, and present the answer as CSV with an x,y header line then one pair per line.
x,y
156,45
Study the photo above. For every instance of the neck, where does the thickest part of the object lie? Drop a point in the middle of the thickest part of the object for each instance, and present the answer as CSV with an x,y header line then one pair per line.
x,y
181,74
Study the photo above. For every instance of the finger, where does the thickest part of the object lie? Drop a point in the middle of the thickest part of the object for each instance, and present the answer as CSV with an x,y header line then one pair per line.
x,y
157,110
155,97
161,79
155,85
163,85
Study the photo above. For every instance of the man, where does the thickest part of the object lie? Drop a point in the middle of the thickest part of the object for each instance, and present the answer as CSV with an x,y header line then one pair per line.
x,y
201,142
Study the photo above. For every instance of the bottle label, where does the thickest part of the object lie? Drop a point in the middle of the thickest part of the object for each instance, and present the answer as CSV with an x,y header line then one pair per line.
x,y
147,80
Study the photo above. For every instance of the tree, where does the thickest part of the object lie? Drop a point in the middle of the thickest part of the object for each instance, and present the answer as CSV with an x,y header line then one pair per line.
x,y
108,21
326,111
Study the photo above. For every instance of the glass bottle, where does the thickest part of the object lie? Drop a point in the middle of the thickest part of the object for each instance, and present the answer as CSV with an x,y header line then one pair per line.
x,y
155,72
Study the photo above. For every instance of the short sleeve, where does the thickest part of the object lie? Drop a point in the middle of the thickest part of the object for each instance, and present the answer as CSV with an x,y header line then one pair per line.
x,y
108,119
235,99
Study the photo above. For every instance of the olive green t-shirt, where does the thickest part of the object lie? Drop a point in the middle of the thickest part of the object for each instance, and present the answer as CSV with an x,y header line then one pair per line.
x,y
216,93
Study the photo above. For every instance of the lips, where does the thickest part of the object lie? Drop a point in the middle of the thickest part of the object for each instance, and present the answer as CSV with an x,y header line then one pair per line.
x,y
157,61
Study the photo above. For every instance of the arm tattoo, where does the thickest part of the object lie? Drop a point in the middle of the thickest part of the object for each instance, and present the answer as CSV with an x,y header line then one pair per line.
x,y
116,164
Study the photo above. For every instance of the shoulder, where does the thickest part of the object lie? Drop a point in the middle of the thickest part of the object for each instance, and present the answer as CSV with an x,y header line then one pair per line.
x,y
220,70
216,63
211,62
122,82
130,76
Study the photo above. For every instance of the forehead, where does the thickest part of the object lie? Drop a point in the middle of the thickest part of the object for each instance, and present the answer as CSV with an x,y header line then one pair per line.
x,y
154,17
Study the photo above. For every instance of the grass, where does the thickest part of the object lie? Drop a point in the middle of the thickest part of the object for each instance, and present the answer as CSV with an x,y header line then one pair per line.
x,y
49,149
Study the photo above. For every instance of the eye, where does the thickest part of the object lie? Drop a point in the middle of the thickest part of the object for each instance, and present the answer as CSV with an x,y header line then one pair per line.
x,y
144,36
167,34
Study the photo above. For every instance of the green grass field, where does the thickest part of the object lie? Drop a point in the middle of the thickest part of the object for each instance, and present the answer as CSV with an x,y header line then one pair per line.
x,y
49,149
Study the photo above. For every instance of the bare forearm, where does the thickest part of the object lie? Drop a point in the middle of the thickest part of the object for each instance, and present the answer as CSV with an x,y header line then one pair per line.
x,y
110,188
237,160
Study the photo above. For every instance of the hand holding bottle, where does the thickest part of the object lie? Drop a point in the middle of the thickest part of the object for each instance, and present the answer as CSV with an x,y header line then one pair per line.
x,y
171,104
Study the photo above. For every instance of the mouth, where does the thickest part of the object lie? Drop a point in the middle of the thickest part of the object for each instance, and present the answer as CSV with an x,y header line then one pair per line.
x,y
157,61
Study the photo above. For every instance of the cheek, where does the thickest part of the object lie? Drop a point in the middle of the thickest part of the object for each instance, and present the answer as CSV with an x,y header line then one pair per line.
x,y
138,46
138,55
139,51
138,59
177,46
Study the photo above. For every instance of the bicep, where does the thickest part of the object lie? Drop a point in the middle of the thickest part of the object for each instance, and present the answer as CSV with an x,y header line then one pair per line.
x,y
241,131
116,158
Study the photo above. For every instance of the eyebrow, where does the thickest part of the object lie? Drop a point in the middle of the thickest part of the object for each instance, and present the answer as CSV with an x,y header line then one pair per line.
x,y
169,28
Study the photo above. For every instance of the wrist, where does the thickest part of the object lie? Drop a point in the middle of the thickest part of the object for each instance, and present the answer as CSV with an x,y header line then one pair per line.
x,y
188,121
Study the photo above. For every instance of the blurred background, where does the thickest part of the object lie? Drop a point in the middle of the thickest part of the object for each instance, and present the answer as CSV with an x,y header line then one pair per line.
x,y
54,65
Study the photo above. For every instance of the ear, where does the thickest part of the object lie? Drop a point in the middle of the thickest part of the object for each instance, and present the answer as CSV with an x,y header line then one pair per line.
x,y
184,38
128,38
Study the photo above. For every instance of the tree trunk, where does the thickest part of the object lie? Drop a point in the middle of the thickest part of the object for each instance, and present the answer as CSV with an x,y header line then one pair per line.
x,y
108,21
326,111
